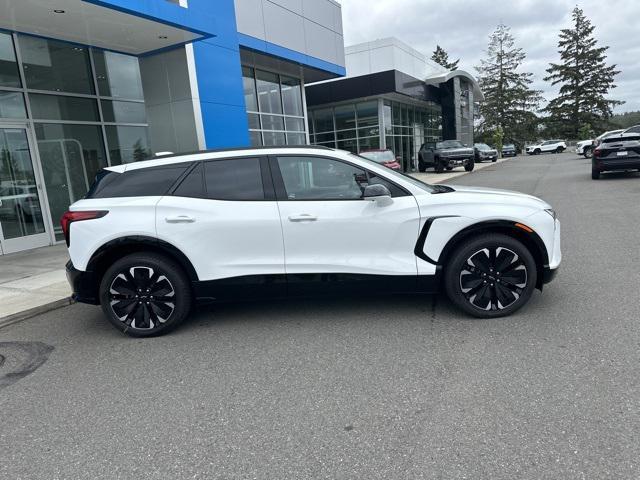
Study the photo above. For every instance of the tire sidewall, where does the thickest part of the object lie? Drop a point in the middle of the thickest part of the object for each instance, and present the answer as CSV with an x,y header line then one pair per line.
x,y
458,260
166,267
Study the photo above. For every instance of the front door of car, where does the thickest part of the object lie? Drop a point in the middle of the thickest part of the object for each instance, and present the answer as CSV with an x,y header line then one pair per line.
x,y
224,217
329,228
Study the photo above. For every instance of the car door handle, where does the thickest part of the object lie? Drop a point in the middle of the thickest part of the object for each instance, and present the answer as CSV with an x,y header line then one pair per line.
x,y
180,219
303,217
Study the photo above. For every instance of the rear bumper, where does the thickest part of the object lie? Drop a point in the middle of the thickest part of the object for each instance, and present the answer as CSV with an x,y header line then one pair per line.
x,y
83,285
606,164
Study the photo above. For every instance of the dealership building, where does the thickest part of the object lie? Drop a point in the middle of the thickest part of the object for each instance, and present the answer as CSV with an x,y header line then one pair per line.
x,y
86,84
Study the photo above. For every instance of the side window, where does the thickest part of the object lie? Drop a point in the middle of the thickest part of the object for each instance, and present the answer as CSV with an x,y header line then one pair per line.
x,y
234,179
143,182
193,185
317,178
634,130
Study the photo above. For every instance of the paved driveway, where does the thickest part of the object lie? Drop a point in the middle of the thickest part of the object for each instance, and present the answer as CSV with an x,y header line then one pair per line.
x,y
402,387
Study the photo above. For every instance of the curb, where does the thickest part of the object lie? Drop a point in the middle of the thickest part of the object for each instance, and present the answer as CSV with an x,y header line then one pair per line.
x,y
32,312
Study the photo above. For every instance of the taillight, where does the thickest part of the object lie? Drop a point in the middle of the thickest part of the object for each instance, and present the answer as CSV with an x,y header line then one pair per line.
x,y
69,217
597,152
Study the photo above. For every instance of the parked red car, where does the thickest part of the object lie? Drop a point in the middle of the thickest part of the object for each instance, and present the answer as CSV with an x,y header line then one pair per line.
x,y
384,157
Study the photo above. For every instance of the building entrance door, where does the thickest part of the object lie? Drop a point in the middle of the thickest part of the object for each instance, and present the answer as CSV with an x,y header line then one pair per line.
x,y
22,217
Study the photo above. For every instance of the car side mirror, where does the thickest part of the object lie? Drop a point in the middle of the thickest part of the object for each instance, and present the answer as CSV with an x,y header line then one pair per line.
x,y
373,192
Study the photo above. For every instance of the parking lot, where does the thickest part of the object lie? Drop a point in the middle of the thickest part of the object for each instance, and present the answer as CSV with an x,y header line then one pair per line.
x,y
398,387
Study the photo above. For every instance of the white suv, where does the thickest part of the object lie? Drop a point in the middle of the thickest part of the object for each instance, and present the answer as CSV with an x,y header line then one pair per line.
x,y
549,146
153,238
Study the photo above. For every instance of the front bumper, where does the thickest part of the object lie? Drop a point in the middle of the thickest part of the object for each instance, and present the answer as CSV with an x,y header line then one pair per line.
x,y
455,161
83,285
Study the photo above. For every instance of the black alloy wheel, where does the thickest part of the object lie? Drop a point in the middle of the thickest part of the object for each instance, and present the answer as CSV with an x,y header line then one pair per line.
x,y
470,165
145,295
491,276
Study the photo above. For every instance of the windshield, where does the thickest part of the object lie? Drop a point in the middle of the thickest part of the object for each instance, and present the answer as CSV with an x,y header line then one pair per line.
x,y
379,156
509,145
482,146
401,176
449,144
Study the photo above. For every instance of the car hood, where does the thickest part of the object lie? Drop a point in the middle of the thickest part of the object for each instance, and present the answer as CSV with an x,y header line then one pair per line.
x,y
488,152
585,142
493,196
538,145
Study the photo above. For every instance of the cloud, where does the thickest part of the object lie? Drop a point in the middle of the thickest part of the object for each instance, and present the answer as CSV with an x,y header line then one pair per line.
x,y
462,27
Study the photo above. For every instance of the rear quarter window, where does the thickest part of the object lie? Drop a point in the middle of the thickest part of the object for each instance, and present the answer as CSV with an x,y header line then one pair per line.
x,y
143,182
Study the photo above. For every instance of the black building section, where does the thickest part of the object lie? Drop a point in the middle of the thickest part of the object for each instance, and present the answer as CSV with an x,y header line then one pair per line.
x,y
371,85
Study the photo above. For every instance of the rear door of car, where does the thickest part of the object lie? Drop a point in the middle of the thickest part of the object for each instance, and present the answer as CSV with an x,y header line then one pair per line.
x,y
224,217
333,235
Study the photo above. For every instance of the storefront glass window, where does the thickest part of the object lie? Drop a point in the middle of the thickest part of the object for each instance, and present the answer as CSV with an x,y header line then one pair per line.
x,y
71,155
124,112
9,74
269,98
58,107
292,96
12,105
127,144
118,75
55,66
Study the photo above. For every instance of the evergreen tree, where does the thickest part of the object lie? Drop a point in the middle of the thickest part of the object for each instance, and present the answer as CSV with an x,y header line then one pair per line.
x,y
584,78
441,57
509,101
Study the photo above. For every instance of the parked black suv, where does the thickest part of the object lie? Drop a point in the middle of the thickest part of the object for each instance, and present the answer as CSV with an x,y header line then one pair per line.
x,y
616,153
446,154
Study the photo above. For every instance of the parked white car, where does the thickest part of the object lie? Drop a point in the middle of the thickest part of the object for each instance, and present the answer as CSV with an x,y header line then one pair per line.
x,y
586,147
152,238
549,146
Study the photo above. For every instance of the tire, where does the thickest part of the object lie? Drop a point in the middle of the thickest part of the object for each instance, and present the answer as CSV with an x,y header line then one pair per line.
x,y
449,168
469,286
421,166
438,166
587,152
537,151
559,150
470,165
494,160
595,174
132,278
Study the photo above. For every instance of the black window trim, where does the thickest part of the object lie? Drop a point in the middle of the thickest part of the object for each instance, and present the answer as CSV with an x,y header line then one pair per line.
x,y
267,181
281,192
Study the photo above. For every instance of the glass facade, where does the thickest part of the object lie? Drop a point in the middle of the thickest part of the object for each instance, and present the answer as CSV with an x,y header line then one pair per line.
x,y
359,126
274,108
85,107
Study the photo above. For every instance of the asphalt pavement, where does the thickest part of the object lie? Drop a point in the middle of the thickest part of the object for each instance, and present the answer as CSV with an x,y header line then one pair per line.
x,y
368,388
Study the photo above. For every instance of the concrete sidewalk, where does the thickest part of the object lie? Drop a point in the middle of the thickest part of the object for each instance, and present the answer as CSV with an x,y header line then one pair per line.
x,y
32,282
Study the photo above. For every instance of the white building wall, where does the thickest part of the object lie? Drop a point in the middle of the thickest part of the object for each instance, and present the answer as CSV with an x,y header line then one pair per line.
x,y
311,27
388,54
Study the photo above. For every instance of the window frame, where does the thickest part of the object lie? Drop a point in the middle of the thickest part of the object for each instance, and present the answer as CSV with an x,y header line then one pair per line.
x,y
281,191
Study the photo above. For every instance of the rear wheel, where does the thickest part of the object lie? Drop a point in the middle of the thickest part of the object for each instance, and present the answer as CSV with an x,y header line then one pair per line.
x,y
145,294
559,150
490,276
421,166
595,173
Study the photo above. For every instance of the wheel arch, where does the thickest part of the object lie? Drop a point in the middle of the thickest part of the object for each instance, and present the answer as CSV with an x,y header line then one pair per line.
x,y
119,247
531,240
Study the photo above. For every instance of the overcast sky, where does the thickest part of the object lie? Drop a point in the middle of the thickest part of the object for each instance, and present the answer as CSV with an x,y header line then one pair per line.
x,y
462,28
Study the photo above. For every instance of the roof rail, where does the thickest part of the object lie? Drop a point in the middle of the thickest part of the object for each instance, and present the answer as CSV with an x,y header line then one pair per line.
x,y
236,149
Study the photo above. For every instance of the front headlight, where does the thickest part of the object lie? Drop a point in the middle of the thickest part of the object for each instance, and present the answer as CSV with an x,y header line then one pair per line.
x,y
552,212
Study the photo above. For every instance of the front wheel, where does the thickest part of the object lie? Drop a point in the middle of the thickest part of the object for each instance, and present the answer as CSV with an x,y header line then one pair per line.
x,y
439,166
470,165
490,276
587,152
145,294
